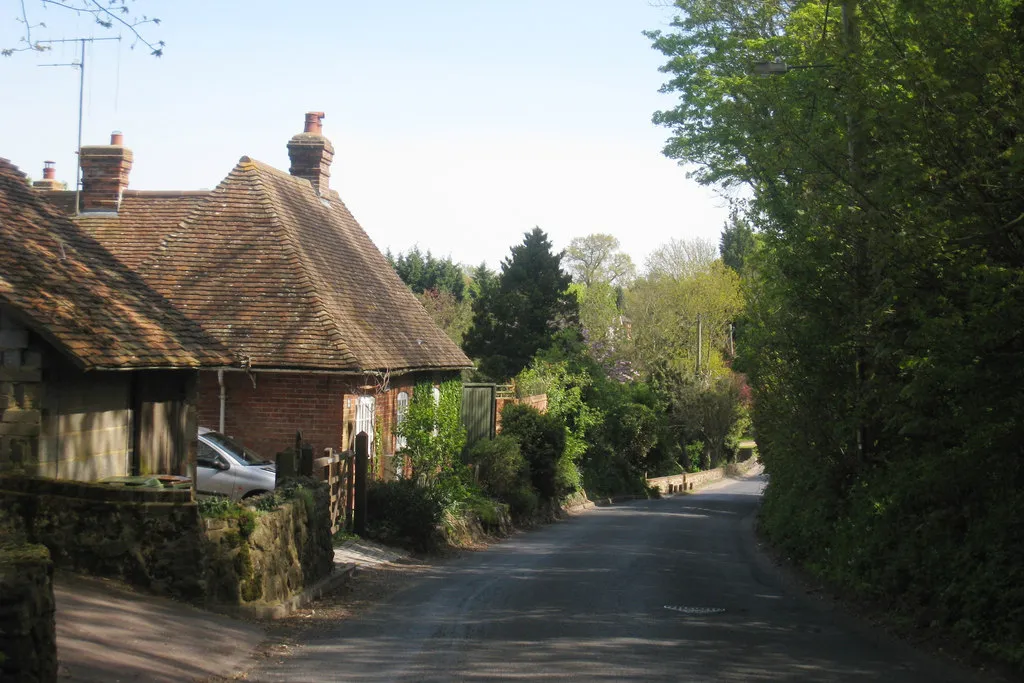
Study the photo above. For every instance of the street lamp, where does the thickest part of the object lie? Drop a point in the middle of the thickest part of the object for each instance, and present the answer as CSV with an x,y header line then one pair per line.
x,y
778,66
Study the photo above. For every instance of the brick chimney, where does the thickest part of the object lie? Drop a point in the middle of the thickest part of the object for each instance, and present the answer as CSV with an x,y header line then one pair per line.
x,y
105,170
311,153
49,181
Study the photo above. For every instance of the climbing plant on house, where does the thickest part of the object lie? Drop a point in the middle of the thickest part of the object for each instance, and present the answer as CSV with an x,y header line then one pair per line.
x,y
433,434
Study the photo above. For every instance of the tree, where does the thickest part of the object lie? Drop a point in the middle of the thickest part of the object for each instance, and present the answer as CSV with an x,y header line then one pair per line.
x,y
520,314
883,336
450,314
425,272
738,242
672,318
680,259
108,14
596,259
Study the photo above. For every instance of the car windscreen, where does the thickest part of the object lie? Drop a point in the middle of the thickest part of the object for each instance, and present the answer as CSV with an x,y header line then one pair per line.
x,y
246,455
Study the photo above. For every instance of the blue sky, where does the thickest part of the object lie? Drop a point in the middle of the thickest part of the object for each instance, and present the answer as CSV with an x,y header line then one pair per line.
x,y
457,125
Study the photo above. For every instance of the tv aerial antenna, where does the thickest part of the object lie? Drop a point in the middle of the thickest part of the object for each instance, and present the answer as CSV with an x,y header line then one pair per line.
x,y
80,65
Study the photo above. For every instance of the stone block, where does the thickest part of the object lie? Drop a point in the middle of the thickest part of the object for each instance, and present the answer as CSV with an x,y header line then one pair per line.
x,y
31,360
13,339
18,429
28,643
20,375
21,416
29,396
11,358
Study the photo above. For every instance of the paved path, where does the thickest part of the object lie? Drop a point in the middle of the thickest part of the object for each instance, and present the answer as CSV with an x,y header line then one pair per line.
x,y
664,590
108,634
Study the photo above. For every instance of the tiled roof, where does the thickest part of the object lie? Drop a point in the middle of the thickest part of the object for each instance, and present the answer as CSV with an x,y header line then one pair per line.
x,y
72,290
143,219
289,279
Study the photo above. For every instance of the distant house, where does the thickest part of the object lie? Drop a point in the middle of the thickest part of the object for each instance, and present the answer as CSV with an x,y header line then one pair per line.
x,y
275,267
99,372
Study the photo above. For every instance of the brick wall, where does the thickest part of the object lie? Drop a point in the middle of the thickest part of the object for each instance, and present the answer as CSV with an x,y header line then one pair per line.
x,y
266,416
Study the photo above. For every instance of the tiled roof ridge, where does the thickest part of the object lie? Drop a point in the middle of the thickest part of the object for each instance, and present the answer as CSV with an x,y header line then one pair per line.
x,y
311,288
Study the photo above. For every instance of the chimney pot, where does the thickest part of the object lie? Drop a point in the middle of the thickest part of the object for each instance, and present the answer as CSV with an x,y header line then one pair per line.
x,y
49,181
314,123
117,138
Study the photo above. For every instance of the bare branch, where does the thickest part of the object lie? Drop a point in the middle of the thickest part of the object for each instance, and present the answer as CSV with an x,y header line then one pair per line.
x,y
29,43
108,14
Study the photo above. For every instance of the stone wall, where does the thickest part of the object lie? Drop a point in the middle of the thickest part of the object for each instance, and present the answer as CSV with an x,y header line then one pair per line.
x,y
21,395
147,537
265,557
155,538
28,640
690,481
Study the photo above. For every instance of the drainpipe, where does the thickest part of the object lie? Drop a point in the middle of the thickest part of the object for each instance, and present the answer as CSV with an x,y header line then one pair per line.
x,y
223,399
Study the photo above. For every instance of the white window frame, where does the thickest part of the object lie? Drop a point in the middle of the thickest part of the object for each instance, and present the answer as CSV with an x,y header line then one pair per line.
x,y
366,413
401,411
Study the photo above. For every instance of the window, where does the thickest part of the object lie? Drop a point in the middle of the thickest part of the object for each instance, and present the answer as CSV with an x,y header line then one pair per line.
x,y
365,407
436,393
401,410
206,456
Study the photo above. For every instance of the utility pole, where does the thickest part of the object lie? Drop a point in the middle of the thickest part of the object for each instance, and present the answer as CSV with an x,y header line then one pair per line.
x,y
80,65
855,153
700,342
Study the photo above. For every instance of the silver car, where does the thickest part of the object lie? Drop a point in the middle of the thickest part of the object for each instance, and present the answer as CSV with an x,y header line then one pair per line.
x,y
227,468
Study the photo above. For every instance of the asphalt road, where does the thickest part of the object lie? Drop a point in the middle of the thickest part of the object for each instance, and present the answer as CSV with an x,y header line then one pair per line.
x,y
662,590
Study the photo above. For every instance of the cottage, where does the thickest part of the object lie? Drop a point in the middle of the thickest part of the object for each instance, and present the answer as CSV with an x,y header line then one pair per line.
x,y
99,372
275,267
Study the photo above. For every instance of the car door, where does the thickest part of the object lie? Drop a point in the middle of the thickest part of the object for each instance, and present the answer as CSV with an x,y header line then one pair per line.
x,y
215,473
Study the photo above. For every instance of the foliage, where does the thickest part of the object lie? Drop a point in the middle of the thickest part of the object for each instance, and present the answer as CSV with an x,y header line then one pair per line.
x,y
694,456
681,259
565,388
597,260
882,335
403,513
541,440
520,314
668,312
222,507
427,273
433,432
711,410
502,467
738,242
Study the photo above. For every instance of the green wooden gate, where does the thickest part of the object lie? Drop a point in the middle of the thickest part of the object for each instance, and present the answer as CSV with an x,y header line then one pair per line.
x,y
478,417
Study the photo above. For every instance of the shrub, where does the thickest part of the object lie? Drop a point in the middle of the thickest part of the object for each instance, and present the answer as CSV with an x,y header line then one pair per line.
x,y
403,513
523,502
502,467
542,442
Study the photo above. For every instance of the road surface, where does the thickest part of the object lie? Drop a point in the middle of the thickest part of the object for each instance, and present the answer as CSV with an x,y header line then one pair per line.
x,y
660,590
